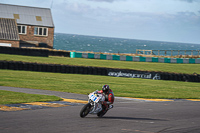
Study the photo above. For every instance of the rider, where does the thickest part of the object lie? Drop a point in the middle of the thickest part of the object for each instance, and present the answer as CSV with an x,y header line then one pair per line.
x,y
109,97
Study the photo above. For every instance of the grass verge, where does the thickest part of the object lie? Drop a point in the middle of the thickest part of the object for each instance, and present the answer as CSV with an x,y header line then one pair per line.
x,y
9,97
146,66
84,84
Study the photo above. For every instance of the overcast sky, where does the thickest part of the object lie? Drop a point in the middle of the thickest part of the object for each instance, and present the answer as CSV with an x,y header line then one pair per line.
x,y
159,20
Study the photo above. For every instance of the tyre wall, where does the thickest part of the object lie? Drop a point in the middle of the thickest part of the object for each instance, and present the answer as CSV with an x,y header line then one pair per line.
x,y
59,53
24,51
134,58
33,52
56,68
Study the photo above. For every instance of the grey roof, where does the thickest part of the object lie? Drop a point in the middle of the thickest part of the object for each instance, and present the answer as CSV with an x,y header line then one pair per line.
x,y
27,15
8,29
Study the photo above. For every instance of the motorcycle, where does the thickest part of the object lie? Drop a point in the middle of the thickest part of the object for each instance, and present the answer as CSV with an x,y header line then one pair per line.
x,y
94,105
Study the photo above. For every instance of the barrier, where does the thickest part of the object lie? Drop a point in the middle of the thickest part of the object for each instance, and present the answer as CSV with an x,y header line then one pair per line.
x,y
168,52
129,58
102,56
135,58
24,51
59,53
57,68
91,56
72,55
33,52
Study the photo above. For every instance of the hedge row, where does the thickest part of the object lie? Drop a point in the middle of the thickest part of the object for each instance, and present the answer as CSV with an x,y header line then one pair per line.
x,y
56,68
33,52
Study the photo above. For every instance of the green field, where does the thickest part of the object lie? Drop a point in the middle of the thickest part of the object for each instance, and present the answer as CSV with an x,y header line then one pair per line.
x,y
147,66
8,97
84,84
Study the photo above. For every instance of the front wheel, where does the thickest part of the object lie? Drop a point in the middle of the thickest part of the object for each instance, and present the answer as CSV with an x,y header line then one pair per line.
x,y
85,110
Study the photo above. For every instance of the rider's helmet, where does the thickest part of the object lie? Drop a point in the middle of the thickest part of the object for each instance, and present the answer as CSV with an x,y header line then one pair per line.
x,y
105,88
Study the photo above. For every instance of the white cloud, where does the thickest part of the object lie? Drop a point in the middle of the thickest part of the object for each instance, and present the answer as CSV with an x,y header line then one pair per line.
x,y
169,20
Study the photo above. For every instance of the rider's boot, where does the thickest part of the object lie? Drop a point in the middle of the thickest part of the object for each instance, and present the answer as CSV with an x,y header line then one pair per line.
x,y
110,107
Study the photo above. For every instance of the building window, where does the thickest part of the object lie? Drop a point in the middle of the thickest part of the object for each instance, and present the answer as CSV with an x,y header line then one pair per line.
x,y
41,31
16,16
38,18
22,29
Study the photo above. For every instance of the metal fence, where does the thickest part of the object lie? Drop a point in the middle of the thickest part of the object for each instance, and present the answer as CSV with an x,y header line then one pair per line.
x,y
168,52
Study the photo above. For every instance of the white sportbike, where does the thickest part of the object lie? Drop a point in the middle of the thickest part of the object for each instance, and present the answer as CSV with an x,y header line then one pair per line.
x,y
94,105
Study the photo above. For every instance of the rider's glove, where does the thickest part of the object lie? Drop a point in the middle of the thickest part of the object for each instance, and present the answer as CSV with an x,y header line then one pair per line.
x,y
96,92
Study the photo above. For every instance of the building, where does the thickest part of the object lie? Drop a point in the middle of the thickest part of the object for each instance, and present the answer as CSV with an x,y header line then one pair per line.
x,y
35,25
9,33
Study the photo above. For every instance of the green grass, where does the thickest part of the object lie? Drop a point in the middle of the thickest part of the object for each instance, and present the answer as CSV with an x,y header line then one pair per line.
x,y
84,84
147,66
9,97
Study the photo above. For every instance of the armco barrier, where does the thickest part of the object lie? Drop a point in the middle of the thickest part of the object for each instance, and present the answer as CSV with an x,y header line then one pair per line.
x,y
56,68
134,58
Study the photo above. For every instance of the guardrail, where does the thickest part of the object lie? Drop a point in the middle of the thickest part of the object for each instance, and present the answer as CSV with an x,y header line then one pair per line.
x,y
168,52
135,58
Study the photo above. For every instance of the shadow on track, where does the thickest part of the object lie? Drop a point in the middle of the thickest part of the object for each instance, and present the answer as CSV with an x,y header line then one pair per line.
x,y
126,118
131,118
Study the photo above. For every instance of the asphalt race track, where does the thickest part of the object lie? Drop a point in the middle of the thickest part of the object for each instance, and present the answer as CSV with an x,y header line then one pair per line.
x,y
128,115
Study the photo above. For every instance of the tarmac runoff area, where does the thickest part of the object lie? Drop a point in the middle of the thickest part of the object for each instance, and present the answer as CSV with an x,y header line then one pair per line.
x,y
78,100
41,105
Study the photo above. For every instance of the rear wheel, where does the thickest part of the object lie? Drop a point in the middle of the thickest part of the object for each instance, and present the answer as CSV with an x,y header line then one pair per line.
x,y
102,112
85,110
